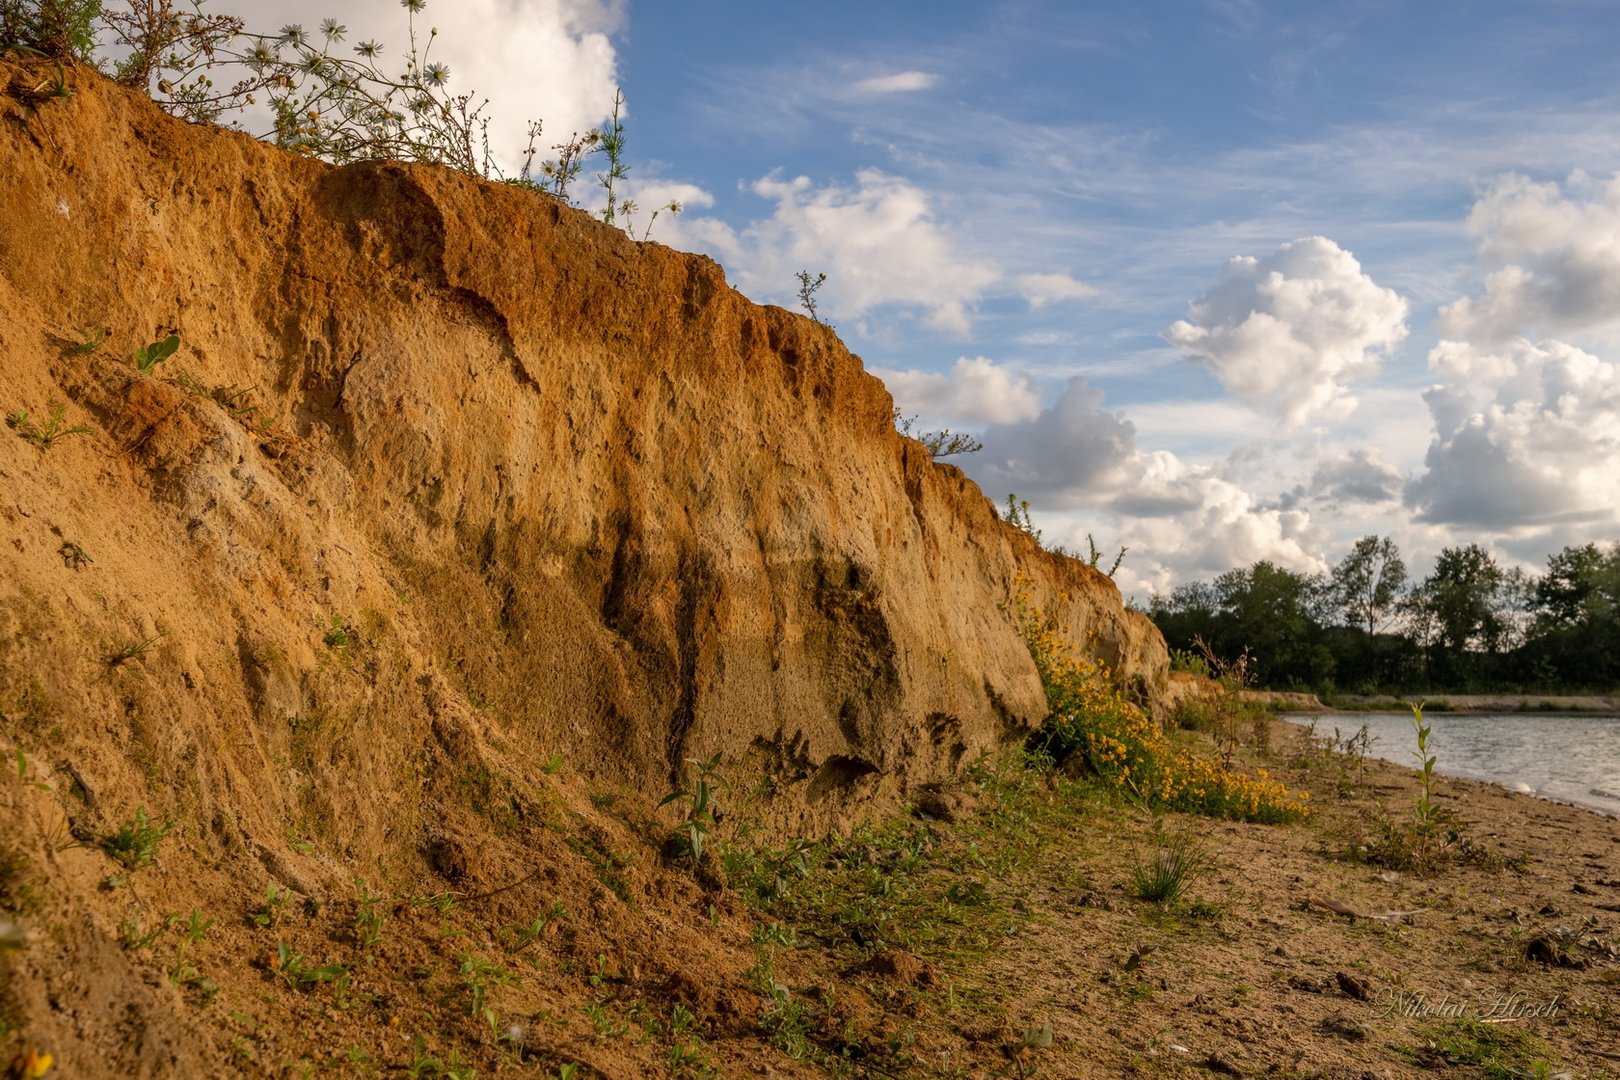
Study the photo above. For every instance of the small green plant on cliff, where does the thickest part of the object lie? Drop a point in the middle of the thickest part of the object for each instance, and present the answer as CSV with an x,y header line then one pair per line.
x,y
135,843
90,339
43,435
129,651
808,287
479,975
1017,515
941,443
337,633
1095,558
610,140
300,974
150,356
368,920
699,782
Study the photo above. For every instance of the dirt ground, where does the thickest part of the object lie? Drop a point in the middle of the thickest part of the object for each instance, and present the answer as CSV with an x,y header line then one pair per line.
x,y
995,932
1502,963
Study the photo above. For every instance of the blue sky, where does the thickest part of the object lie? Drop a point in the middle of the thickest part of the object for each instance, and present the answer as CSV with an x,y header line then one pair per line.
x,y
1219,280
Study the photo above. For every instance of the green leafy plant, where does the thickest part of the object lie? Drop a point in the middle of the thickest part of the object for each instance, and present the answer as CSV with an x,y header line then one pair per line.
x,y
337,634
274,909
299,973
195,929
599,972
699,782
43,435
1019,1052
368,920
134,845
478,975
132,937
523,936
607,1025
21,760
150,356
610,140
424,1066
690,1059
808,287
91,338
1426,814
1430,835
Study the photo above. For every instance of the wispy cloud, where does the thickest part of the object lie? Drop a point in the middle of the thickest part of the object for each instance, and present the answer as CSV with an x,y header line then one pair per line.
x,y
899,83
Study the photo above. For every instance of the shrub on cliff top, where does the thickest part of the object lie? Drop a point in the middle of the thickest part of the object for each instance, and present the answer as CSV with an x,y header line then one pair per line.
x,y
1091,717
59,28
323,102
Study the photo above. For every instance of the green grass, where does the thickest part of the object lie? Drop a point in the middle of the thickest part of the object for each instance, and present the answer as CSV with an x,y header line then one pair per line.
x,y
1499,1051
44,434
1172,864
135,843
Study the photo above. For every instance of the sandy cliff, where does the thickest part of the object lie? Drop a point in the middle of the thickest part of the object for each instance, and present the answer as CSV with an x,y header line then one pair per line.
x,y
443,480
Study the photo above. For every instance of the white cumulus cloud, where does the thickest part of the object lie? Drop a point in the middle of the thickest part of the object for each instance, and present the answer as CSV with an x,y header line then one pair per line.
x,y
1561,248
1072,454
878,243
1218,525
976,391
1526,436
1080,459
1291,331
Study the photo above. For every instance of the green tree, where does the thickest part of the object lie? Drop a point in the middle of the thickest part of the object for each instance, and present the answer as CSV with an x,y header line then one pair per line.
x,y
1458,612
1266,610
1575,636
1369,583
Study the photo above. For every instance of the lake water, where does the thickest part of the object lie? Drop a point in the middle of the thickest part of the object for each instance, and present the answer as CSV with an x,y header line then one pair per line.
x,y
1571,759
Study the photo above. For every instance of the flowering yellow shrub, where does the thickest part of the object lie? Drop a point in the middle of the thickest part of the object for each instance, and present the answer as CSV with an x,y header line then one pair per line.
x,y
1092,717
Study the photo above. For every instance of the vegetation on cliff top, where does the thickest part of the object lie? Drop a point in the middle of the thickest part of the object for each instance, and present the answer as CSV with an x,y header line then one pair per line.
x,y
322,102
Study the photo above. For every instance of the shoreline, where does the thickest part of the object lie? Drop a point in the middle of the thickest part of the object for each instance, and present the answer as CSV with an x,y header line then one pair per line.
x,y
1549,704
1502,785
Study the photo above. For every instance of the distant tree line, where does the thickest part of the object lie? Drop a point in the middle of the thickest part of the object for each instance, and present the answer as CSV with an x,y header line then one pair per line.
x,y
1366,627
